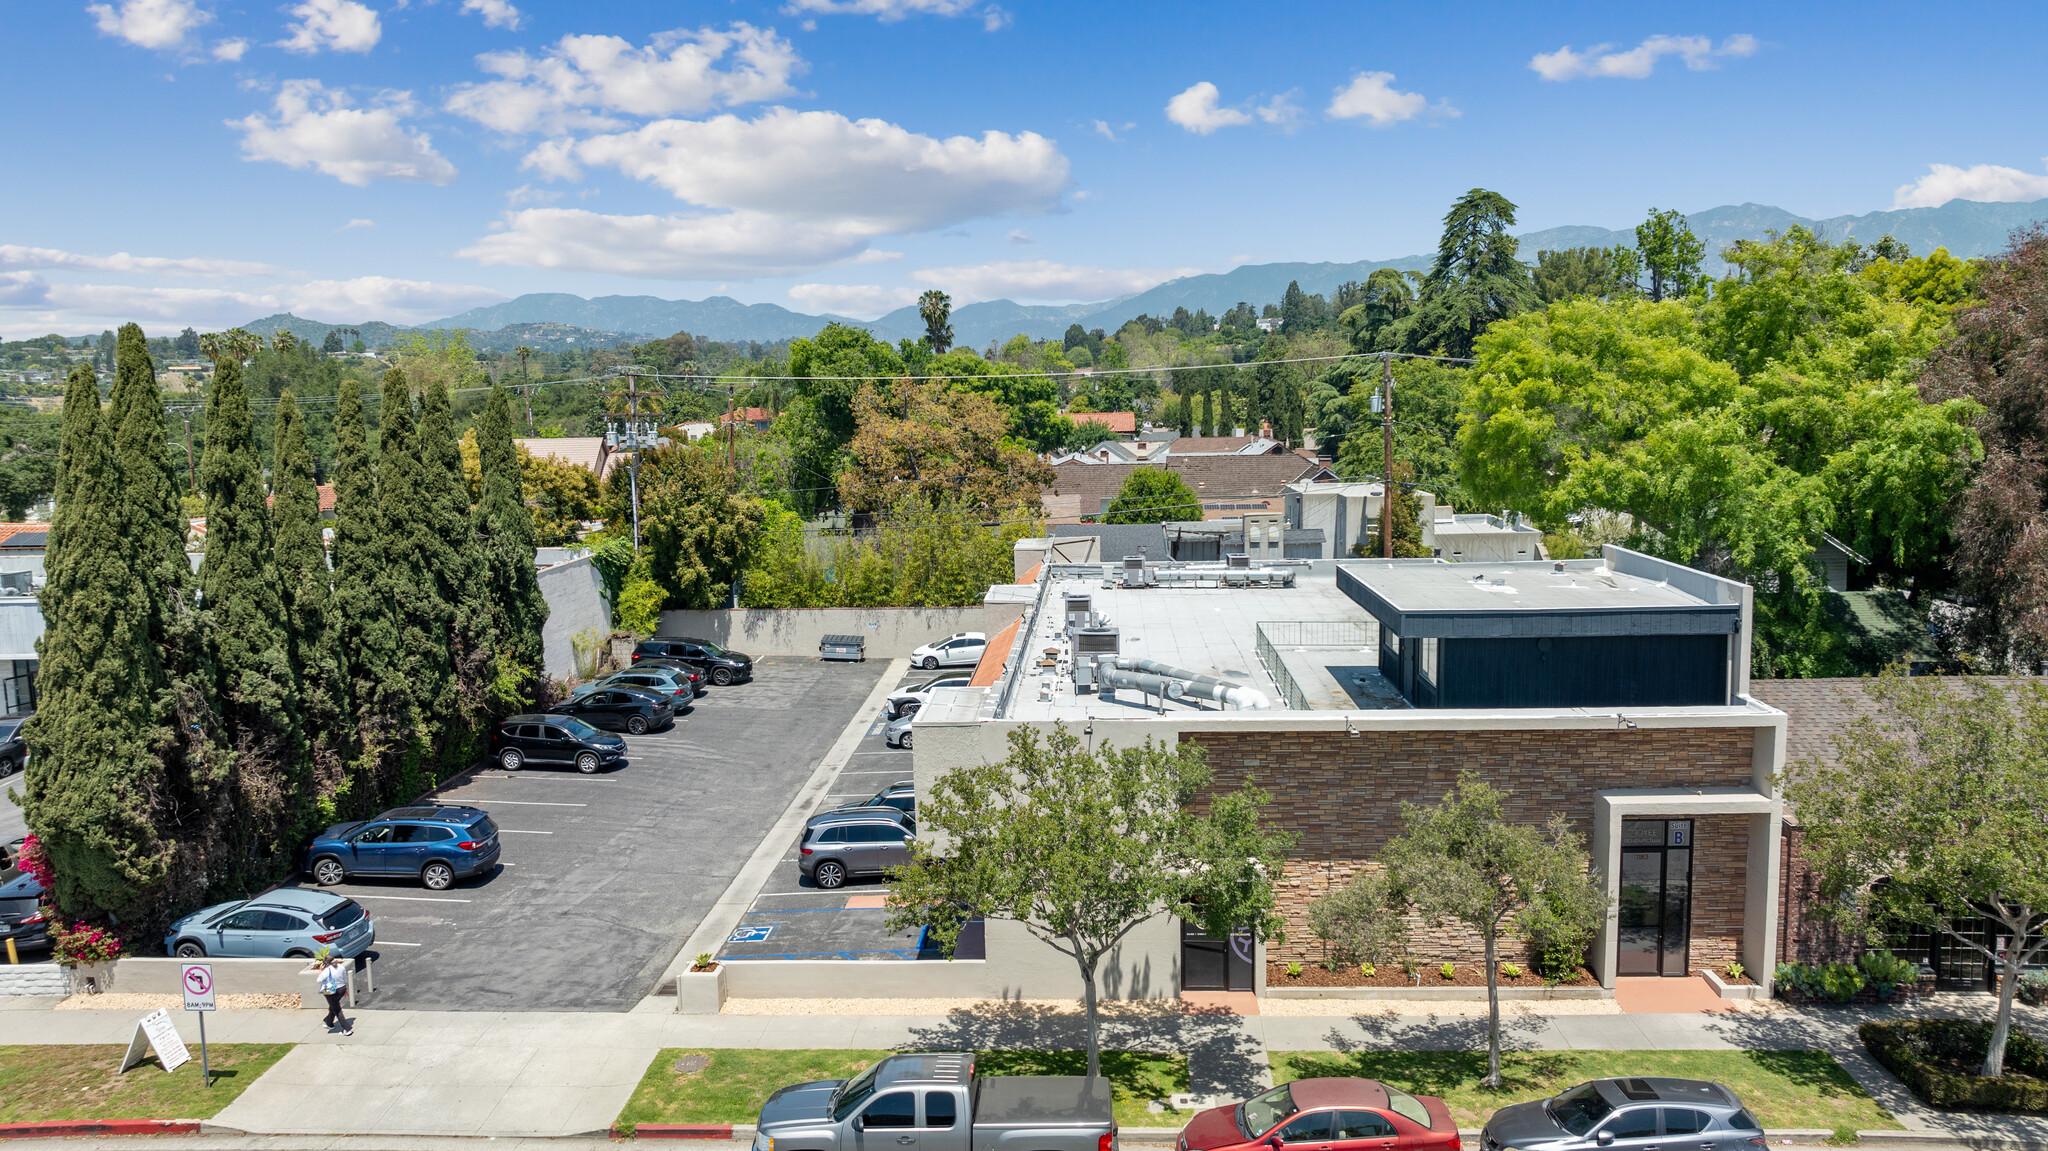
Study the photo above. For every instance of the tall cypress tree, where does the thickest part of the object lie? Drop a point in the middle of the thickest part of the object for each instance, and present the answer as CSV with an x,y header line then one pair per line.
x,y
505,539
455,566
303,584
375,693
254,680
94,781
423,620
173,672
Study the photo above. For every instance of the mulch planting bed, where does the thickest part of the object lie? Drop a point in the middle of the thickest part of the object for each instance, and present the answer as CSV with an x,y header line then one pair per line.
x,y
1468,975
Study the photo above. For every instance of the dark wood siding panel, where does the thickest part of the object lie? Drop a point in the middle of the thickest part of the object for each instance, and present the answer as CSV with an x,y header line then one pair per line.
x,y
1585,671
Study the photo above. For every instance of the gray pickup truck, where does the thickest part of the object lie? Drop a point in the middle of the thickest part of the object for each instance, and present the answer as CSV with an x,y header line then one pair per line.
x,y
936,1103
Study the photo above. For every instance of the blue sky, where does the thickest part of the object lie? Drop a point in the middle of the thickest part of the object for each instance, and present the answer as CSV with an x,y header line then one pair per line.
x,y
210,161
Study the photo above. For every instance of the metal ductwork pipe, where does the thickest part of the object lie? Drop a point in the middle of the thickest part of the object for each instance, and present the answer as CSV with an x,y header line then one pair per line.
x,y
1199,686
1159,685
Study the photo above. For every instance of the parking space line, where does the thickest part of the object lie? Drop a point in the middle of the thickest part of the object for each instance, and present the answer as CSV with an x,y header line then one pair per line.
x,y
524,802
884,771
404,898
516,831
395,943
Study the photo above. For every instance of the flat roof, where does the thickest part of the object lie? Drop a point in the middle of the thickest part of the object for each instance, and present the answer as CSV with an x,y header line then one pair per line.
x,y
1541,597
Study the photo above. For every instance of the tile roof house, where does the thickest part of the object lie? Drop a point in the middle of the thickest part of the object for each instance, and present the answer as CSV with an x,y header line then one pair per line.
x,y
1122,423
761,418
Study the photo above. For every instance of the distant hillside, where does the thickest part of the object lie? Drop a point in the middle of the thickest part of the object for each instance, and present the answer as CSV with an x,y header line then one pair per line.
x,y
543,336
720,317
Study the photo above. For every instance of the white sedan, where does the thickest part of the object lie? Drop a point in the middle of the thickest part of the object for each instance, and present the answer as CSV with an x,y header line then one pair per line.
x,y
961,649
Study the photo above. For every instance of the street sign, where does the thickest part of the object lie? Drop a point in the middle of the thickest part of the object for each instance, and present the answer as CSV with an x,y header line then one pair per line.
x,y
198,984
155,1031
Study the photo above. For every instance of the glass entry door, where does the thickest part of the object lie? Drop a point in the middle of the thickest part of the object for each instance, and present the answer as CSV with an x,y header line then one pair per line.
x,y
1655,908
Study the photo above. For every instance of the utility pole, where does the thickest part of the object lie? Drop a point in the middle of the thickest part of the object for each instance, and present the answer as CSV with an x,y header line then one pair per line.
x,y
634,438
1387,442
732,431
191,477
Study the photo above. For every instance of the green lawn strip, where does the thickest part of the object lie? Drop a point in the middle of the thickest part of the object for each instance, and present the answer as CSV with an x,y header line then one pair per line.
x,y
65,1081
737,1081
1781,1088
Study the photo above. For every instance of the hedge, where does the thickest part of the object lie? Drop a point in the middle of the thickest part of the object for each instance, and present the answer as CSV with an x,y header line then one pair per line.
x,y
1939,1058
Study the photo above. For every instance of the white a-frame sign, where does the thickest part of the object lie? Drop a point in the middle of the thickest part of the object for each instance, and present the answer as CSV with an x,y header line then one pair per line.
x,y
155,1030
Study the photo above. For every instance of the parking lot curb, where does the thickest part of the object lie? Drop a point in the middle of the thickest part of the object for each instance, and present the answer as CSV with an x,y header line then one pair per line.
x,y
59,1128
678,1131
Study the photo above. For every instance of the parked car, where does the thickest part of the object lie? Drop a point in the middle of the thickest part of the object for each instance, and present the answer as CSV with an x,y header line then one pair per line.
x,y
23,918
1626,1115
899,796
1346,1113
435,845
694,673
13,749
554,741
724,667
960,648
896,732
676,685
941,1105
838,846
909,699
288,923
618,708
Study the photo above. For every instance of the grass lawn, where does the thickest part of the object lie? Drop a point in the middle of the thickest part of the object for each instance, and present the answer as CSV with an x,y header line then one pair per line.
x,y
39,1082
732,1088
1781,1088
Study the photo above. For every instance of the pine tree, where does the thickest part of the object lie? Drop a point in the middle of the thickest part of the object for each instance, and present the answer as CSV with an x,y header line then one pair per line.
x,y
457,579
1208,412
173,672
376,697
94,782
505,538
303,577
1187,414
423,620
257,688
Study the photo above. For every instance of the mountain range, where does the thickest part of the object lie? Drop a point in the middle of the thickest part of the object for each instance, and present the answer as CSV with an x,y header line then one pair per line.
x,y
553,321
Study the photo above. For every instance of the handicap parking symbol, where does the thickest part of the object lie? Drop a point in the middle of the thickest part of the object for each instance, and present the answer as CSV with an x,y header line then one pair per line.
x,y
752,934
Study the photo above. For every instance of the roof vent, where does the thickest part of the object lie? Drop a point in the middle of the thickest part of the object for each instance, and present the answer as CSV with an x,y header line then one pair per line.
x,y
1239,560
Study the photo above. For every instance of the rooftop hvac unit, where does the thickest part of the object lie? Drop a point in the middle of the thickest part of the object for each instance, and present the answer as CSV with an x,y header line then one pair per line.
x,y
1135,572
1091,643
1238,560
1076,609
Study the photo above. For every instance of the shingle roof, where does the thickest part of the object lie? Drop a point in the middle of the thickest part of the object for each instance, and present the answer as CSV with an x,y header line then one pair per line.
x,y
1187,445
1119,540
1820,710
583,451
1224,483
10,530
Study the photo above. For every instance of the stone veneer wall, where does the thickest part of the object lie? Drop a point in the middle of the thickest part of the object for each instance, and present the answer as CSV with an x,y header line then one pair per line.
x,y
1342,795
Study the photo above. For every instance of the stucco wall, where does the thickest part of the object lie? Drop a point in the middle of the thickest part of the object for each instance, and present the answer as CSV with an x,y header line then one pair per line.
x,y
890,631
576,603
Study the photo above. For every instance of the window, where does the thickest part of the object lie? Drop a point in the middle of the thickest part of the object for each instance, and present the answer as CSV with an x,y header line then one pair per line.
x,y
408,833
379,834
1578,1109
1743,1121
1408,1107
1683,1121
342,916
243,921
552,733
940,1109
1363,1125
1638,1124
896,1109
831,835
1313,1127
1258,1114
528,731
439,834
279,921
851,1095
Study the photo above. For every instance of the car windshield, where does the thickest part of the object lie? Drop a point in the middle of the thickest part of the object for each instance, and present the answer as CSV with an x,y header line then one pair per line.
x,y
712,649
853,1093
577,727
1578,1109
343,916
1408,1107
225,912
7,730
1262,1113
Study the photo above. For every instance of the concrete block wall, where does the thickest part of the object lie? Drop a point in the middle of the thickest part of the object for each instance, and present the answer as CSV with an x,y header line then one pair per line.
x,y
152,976
26,979
576,604
890,631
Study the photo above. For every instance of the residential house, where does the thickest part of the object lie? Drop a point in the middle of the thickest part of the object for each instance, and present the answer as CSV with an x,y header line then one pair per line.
x,y
1228,485
592,452
760,418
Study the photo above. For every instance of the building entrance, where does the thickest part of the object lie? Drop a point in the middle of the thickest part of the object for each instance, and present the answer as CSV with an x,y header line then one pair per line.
x,y
1214,964
1655,909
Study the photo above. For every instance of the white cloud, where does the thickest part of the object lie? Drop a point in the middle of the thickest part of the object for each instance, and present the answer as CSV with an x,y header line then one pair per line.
x,y
496,13
1698,53
1280,111
1196,110
76,306
1992,183
1021,237
357,223
230,50
23,290
16,256
994,19
890,11
400,301
316,127
1043,280
528,194
156,24
338,25
1372,96
580,80
861,301
674,247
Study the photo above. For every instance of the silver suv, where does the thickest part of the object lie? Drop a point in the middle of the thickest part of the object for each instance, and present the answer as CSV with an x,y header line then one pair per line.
x,y
863,841
1628,1115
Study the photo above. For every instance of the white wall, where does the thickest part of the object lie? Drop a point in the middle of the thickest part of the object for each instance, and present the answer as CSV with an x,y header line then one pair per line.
x,y
576,603
21,625
890,631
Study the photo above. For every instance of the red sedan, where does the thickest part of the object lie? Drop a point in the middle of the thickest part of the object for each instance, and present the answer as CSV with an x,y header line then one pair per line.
x,y
1325,1115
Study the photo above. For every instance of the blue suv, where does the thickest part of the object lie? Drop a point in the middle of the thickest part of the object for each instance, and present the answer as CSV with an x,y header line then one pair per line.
x,y
435,845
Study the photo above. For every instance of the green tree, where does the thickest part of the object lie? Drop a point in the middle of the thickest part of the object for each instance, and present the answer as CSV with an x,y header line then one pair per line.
x,y
1461,860
930,438
1476,278
331,343
1671,254
699,530
303,576
1081,846
254,678
505,540
376,695
1576,272
1208,412
28,459
1929,817
1153,495
820,419
936,309
448,543
423,620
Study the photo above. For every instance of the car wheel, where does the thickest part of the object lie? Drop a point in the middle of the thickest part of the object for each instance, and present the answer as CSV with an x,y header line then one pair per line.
x,y
636,725
903,741
510,759
437,876
722,676
328,871
191,949
931,663
587,763
829,875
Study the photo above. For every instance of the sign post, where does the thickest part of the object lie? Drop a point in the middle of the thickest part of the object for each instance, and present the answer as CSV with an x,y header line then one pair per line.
x,y
198,985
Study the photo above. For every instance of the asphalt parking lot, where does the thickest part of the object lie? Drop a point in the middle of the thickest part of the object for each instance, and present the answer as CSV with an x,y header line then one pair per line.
x,y
603,877
792,918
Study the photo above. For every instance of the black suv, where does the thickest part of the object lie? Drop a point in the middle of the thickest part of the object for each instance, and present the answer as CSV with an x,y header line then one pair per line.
x,y
720,666
554,741
619,708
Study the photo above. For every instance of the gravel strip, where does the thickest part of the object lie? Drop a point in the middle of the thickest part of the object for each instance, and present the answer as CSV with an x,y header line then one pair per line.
x,y
980,1008
1419,1008
120,1001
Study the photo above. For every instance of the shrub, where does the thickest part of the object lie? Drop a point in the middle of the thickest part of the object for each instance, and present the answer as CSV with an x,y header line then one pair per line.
x,y
1449,970
1561,927
34,860
1361,921
1510,971
1294,971
1886,972
1368,970
83,943
2033,989
1834,981
1939,1059
1737,971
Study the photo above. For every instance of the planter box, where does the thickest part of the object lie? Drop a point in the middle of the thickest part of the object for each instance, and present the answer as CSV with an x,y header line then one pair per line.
x,y
1437,994
89,978
701,992
1727,990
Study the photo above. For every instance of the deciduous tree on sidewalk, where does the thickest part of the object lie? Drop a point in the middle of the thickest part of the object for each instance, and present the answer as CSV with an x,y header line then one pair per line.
x,y
1081,845
1931,816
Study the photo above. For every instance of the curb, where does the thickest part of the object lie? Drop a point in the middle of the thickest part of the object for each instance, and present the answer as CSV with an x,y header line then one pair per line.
x,y
57,1128
1949,1139
680,1131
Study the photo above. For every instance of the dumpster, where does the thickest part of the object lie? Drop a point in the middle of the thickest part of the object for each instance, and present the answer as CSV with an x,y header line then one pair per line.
x,y
850,648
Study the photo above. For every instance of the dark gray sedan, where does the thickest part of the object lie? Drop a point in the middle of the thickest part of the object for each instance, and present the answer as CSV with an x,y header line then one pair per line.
x,y
1628,1115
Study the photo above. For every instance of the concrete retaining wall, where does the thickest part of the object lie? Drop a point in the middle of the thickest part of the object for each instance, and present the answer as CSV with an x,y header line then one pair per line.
x,y
1029,969
576,604
230,977
1437,994
23,979
890,631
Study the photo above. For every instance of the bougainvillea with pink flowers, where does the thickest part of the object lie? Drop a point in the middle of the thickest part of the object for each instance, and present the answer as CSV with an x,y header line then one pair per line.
x,y
83,943
36,862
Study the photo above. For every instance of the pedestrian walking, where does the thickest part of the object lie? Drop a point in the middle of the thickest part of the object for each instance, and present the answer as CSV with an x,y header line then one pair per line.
x,y
334,984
